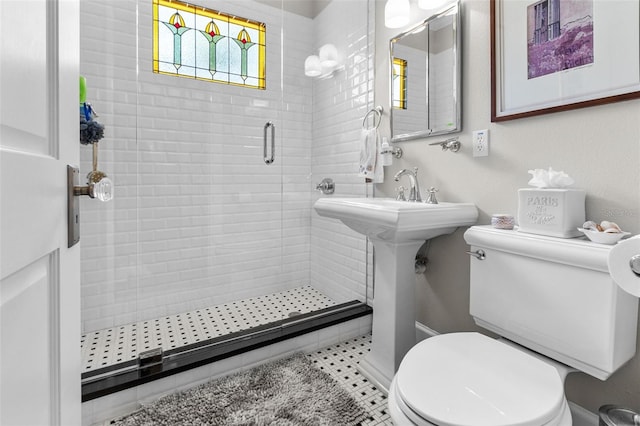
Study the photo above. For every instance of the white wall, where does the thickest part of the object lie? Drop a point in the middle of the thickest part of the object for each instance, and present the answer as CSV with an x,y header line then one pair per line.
x,y
598,146
198,219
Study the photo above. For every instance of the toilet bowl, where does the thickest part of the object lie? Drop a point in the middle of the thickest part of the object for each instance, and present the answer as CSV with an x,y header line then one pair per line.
x,y
556,309
483,382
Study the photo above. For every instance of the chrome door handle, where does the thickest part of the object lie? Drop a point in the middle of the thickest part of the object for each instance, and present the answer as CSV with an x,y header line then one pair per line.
x,y
478,254
268,159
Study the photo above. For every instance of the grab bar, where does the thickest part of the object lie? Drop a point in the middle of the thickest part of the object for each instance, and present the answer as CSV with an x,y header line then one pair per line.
x,y
269,159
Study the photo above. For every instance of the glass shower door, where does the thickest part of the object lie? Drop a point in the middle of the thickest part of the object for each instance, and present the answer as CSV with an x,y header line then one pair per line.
x,y
212,233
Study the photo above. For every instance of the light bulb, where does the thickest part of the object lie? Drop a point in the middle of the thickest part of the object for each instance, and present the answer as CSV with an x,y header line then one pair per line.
x,y
396,13
312,67
328,56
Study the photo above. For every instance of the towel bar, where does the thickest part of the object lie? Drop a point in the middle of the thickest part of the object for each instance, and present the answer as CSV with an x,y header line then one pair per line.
x,y
378,112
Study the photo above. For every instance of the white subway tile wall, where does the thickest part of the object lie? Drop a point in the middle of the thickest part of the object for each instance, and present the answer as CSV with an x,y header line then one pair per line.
x,y
198,219
412,119
339,255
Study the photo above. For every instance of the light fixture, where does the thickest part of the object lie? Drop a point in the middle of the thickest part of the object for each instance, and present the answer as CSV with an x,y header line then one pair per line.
x,y
312,66
431,4
325,64
396,13
328,56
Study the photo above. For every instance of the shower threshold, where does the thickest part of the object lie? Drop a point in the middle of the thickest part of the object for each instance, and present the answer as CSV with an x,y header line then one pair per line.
x,y
181,342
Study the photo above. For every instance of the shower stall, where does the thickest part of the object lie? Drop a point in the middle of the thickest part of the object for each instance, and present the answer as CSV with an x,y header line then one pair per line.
x,y
209,247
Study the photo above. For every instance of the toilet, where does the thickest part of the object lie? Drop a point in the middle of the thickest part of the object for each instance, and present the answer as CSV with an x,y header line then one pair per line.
x,y
555,309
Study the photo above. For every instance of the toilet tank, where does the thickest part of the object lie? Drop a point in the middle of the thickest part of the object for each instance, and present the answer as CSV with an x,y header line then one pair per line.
x,y
554,296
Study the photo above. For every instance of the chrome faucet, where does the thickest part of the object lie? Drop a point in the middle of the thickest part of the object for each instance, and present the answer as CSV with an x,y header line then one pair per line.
x,y
414,188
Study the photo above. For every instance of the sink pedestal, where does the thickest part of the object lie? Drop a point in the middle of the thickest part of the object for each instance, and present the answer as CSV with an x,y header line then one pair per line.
x,y
397,230
394,330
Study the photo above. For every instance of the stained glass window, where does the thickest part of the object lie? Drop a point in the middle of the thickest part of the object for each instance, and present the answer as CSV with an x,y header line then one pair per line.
x,y
399,91
196,42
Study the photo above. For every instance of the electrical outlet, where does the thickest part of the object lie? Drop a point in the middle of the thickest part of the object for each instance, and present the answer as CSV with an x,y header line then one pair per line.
x,y
480,143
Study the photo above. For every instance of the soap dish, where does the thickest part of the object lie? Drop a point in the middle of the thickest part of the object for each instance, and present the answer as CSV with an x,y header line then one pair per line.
x,y
604,237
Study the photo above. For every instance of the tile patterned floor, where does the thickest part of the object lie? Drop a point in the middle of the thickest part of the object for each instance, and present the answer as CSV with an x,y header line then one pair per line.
x,y
104,348
340,361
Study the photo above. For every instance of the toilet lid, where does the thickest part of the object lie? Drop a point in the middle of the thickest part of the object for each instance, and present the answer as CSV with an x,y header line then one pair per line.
x,y
470,379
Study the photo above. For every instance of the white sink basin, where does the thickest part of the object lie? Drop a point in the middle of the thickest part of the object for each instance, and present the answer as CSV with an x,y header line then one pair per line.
x,y
397,221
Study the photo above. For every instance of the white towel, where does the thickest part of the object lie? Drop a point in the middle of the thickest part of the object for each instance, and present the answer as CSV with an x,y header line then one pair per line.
x,y
379,170
370,160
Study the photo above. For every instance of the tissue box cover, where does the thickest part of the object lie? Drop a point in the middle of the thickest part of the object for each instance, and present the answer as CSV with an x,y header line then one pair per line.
x,y
557,212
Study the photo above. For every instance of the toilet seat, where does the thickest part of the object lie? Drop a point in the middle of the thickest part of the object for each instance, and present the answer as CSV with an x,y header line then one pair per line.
x,y
470,379
401,414
404,416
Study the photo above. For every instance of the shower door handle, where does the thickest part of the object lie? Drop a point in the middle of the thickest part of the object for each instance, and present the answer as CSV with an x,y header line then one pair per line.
x,y
268,159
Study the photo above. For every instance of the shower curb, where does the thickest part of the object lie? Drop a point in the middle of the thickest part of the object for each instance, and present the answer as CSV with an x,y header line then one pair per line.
x,y
107,381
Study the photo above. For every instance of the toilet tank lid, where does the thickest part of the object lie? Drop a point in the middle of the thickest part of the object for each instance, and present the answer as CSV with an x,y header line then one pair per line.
x,y
577,252
461,379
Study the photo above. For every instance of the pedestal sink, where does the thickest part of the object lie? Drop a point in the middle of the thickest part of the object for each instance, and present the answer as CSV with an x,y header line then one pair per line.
x,y
397,229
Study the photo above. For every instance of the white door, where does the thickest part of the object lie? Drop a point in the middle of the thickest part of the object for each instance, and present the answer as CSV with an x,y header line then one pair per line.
x,y
39,275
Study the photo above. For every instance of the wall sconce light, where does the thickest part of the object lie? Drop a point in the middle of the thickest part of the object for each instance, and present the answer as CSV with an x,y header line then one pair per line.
x,y
312,66
323,65
328,56
396,13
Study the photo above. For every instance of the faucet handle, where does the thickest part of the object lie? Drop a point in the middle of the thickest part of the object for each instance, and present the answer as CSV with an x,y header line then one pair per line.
x,y
326,186
431,198
400,196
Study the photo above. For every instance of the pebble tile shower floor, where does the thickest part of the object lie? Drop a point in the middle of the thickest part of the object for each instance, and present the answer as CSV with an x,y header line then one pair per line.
x,y
108,347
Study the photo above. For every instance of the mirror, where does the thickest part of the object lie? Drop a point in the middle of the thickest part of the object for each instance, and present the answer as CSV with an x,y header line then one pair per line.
x,y
425,78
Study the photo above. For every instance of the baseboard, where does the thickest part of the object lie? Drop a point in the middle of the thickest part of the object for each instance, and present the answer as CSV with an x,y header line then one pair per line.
x,y
581,416
424,332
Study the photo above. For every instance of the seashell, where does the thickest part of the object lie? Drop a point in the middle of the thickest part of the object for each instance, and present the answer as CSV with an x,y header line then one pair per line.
x,y
599,228
610,227
590,225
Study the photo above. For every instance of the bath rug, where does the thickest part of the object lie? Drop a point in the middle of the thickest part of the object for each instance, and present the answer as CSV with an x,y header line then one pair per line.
x,y
287,392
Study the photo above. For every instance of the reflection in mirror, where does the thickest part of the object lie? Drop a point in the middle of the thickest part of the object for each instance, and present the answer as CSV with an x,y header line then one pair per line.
x,y
425,78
